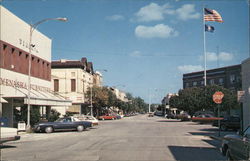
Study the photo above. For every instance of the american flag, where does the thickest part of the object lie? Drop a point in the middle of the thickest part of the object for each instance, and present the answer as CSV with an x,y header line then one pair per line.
x,y
212,15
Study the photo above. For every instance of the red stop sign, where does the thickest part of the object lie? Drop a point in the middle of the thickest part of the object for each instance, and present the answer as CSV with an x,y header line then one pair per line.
x,y
217,97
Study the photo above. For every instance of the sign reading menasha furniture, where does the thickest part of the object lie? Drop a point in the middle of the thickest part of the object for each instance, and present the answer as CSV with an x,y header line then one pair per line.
x,y
19,84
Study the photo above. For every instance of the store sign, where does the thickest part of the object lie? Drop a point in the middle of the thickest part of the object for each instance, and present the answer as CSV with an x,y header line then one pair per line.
x,y
240,96
19,84
26,45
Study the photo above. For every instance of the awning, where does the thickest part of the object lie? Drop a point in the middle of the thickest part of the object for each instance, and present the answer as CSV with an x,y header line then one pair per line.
x,y
42,98
3,100
48,102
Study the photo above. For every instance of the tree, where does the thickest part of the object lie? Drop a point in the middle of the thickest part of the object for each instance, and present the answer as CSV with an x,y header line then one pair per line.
x,y
54,115
100,98
200,98
103,98
22,114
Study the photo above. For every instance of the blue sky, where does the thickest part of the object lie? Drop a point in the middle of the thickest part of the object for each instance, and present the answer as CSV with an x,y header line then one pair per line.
x,y
145,45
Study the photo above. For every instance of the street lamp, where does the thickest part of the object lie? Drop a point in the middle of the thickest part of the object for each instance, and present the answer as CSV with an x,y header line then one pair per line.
x,y
32,28
91,93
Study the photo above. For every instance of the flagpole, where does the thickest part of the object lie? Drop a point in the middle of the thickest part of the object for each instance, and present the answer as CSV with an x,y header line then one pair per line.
x,y
204,45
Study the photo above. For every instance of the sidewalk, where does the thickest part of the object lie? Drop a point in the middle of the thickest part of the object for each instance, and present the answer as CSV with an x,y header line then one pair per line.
x,y
222,134
211,131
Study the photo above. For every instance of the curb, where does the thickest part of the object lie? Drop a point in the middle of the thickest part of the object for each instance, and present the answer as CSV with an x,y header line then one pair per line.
x,y
216,137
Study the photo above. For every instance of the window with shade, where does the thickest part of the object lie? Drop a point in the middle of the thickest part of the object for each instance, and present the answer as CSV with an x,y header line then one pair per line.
x,y
73,85
56,85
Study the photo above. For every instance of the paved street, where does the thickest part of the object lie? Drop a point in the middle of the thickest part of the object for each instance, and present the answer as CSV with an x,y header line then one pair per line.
x,y
133,138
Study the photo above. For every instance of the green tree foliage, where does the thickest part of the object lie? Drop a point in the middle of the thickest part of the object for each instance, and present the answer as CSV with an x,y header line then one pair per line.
x,y
22,114
54,115
201,98
103,97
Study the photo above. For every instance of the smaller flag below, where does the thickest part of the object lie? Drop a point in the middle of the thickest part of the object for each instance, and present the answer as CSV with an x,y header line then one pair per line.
x,y
212,15
209,28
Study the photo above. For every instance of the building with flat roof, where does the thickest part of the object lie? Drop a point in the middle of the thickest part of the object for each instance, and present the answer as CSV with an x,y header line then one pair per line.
x,y
246,89
14,68
121,95
72,79
229,77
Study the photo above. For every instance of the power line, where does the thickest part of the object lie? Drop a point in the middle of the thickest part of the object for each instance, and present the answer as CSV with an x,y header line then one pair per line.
x,y
121,53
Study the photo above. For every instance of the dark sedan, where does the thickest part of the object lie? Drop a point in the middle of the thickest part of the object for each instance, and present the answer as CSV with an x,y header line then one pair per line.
x,y
62,124
237,147
230,122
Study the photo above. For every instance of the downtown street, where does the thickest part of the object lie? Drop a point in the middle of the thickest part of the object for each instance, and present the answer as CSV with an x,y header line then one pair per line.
x,y
133,138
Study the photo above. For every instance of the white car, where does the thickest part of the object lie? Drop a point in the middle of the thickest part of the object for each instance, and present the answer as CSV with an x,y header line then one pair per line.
x,y
87,118
8,134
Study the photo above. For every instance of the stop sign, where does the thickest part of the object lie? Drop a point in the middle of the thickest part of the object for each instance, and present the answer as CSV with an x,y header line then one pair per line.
x,y
217,97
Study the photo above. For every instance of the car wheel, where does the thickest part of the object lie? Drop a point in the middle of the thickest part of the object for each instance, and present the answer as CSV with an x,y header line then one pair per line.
x,y
103,119
223,127
49,129
229,158
113,118
80,128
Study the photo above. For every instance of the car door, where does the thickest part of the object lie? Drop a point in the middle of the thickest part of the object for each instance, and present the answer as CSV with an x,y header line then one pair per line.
x,y
235,122
69,123
240,146
59,124
63,124
246,144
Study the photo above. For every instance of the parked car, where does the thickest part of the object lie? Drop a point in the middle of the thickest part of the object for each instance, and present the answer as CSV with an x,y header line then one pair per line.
x,y
158,113
230,122
87,118
107,117
205,118
63,124
237,147
118,116
183,117
170,116
8,134
150,114
127,115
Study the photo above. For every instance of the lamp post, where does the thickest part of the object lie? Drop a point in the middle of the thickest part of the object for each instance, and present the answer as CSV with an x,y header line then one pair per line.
x,y
91,100
32,28
91,92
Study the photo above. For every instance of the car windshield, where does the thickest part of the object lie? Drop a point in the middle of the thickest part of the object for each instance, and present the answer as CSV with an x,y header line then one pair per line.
x,y
60,120
247,132
123,80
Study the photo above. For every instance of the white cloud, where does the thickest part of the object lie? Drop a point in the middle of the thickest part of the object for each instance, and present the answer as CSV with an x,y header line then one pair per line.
x,y
190,68
157,31
187,12
136,54
223,56
153,12
115,18
211,56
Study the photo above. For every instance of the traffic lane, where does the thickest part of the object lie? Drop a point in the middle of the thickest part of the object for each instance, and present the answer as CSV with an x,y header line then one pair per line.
x,y
135,138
